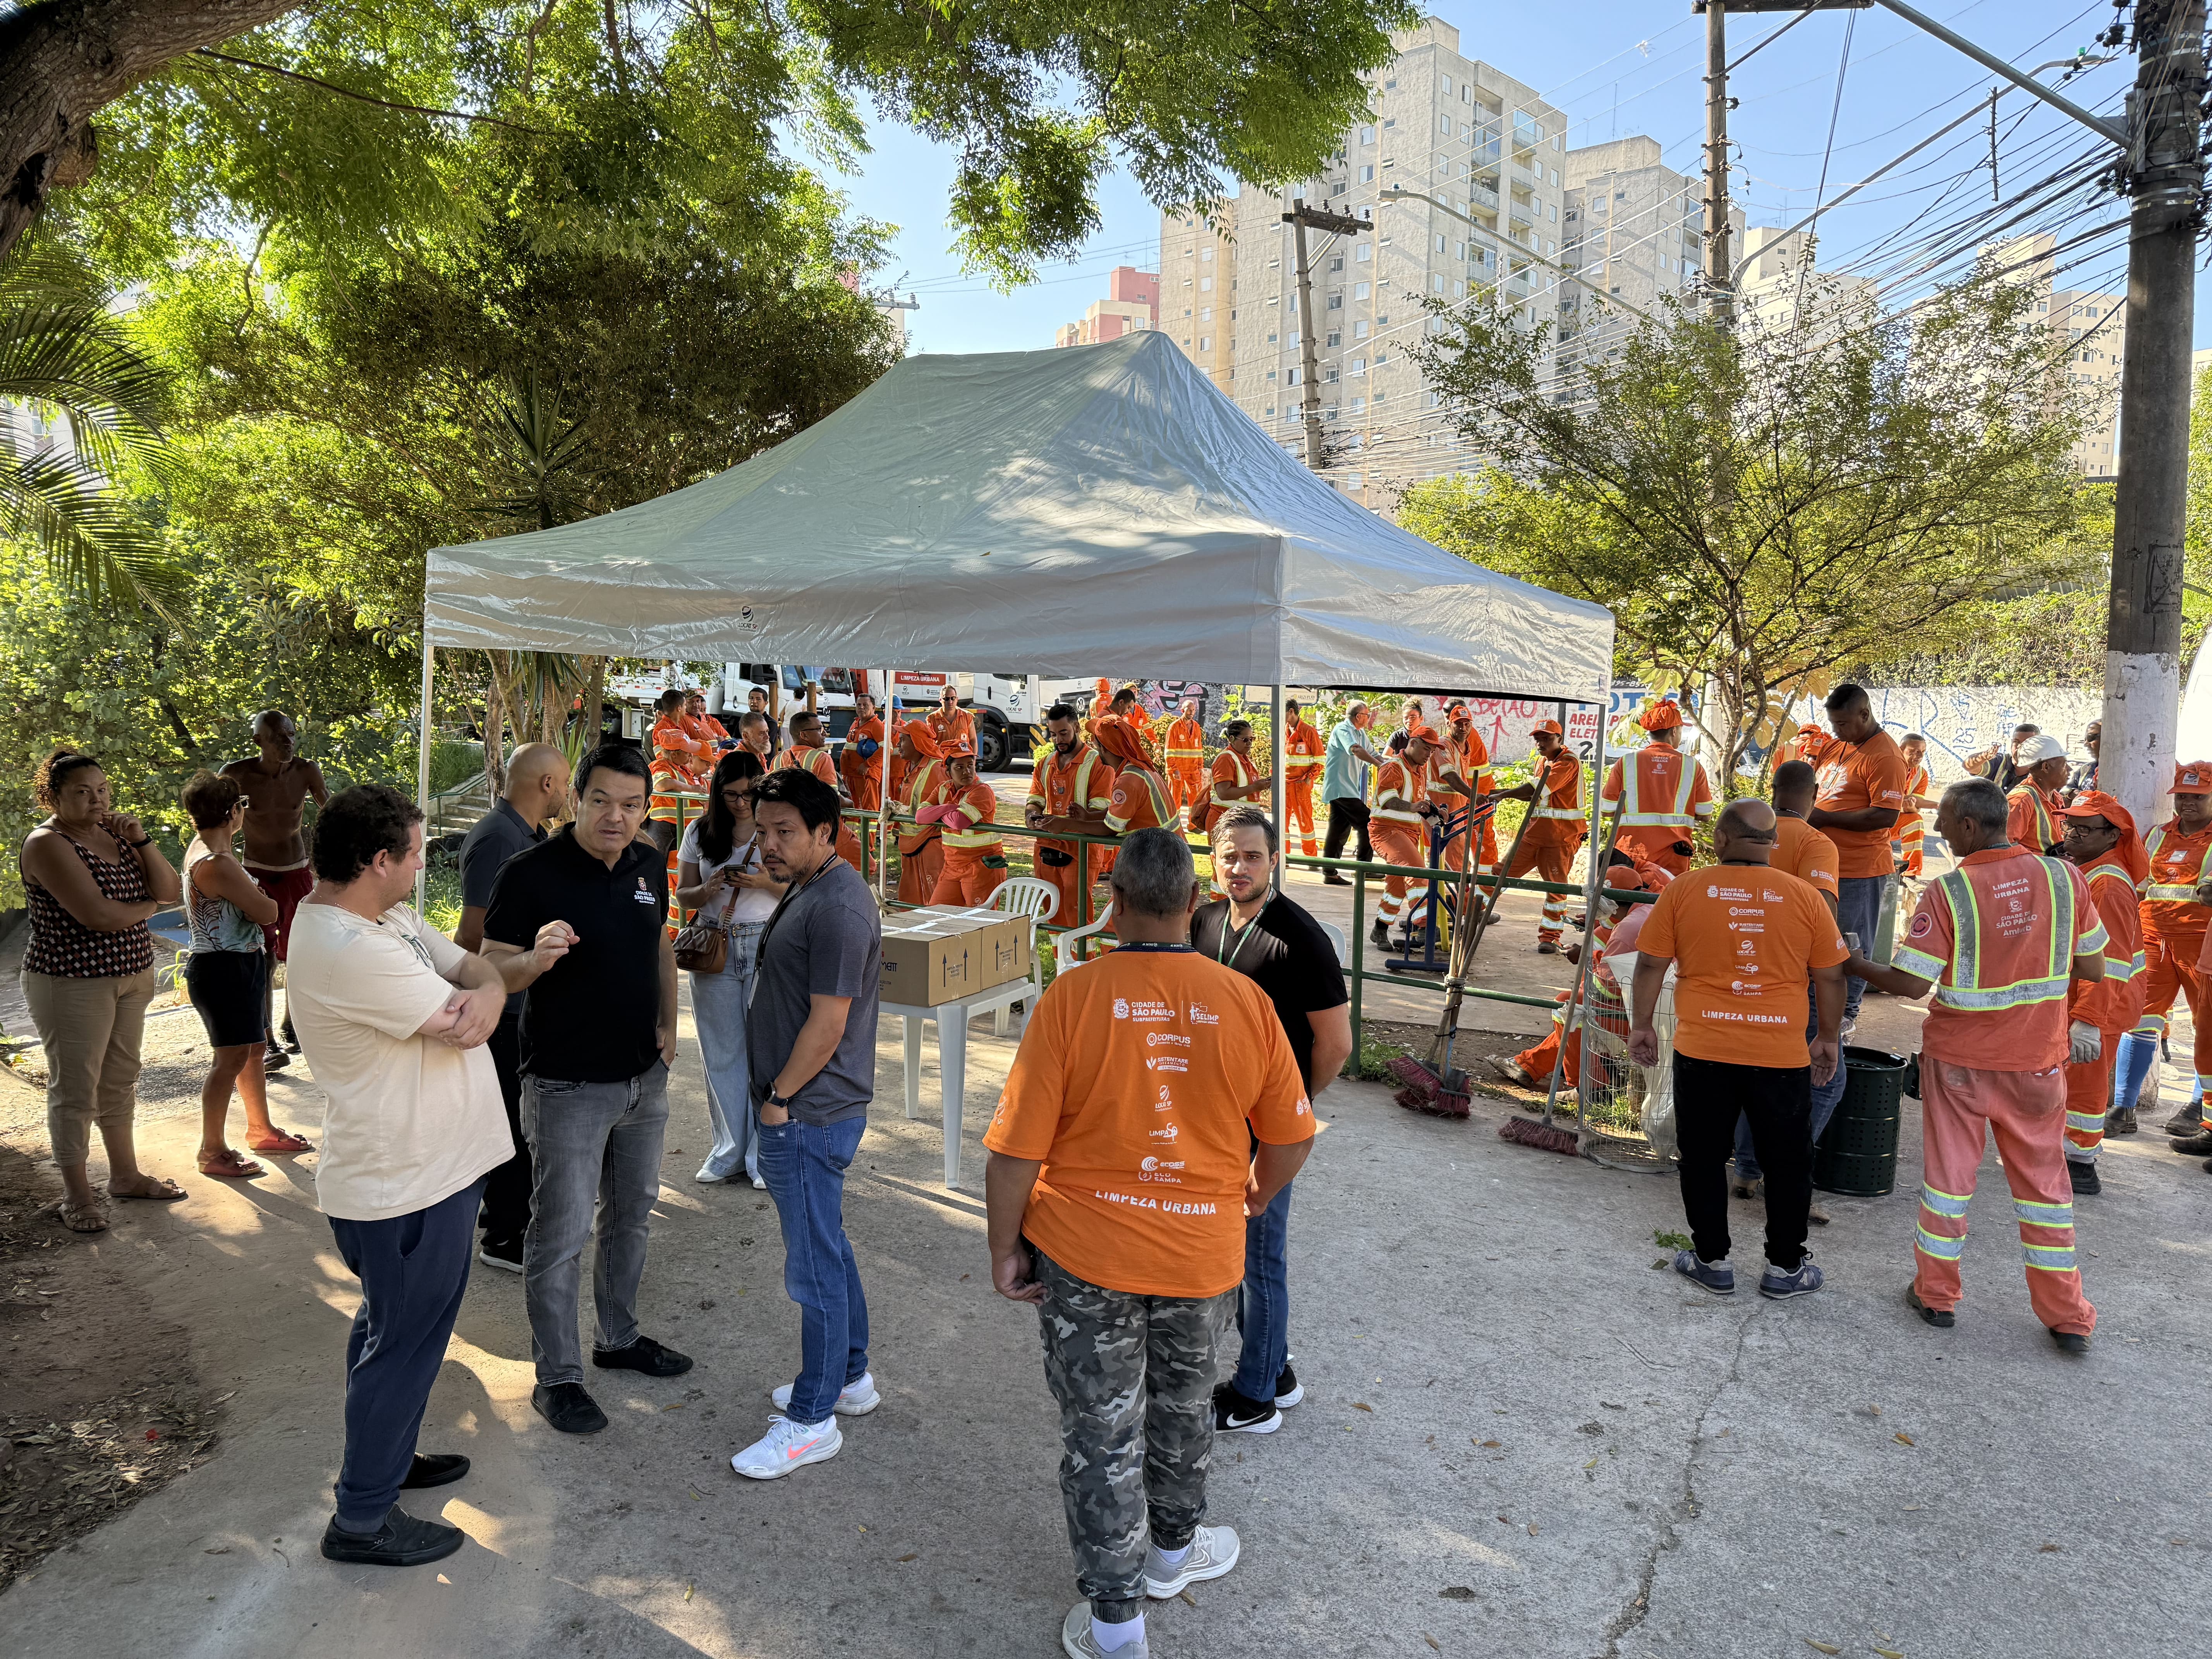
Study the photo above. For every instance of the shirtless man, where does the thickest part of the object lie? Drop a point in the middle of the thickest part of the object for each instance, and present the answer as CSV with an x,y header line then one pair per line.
x,y
277,784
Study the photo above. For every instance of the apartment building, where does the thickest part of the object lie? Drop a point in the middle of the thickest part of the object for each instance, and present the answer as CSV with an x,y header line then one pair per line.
x,y
2088,338
1634,235
1132,304
1440,125
1782,287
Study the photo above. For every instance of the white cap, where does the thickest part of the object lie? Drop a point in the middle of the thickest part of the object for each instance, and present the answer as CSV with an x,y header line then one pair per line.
x,y
2040,748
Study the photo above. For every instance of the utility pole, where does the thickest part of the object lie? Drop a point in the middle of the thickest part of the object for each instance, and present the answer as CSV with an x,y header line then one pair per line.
x,y
2165,179
1720,277
1299,218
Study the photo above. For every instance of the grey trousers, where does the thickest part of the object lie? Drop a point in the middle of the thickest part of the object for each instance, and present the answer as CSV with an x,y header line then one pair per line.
x,y
1134,1376
595,1149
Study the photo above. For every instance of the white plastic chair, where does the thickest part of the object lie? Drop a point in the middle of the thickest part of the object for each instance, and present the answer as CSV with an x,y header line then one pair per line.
x,y
1336,938
1065,946
1025,895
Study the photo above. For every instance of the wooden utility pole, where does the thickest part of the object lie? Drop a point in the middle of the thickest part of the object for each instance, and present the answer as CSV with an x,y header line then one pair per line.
x,y
1299,218
1720,278
2164,175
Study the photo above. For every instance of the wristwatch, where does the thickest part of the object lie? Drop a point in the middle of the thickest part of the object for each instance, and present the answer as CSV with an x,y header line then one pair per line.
x,y
775,1099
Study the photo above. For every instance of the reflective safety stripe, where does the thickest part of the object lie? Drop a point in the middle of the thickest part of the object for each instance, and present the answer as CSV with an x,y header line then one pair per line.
x,y
1951,1204
2159,893
1915,962
2153,1025
2051,1258
1943,1249
1574,812
2043,835
2033,1215
2087,1123
1965,990
1633,810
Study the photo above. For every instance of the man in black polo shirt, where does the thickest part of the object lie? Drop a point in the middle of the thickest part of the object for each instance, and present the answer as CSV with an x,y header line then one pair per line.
x,y
1282,949
598,1033
536,785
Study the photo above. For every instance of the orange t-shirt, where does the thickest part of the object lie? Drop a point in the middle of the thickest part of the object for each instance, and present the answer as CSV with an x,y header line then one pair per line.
x,y
1805,852
1141,1083
2115,1002
1744,939
2024,825
1231,771
1139,801
1855,776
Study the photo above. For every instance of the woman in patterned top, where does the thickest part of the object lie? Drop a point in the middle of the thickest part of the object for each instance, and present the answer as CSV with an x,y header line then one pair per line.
x,y
91,876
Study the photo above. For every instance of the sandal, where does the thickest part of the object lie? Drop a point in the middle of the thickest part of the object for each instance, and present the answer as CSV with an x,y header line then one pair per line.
x,y
280,1140
231,1165
163,1191
82,1218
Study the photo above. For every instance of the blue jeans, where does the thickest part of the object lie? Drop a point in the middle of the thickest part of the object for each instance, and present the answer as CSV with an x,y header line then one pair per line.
x,y
596,1149
1827,1097
717,1011
804,1166
1858,910
413,1270
1263,1303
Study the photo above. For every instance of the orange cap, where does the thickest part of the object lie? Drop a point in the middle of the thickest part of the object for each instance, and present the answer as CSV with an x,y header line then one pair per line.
x,y
1661,717
959,748
1427,734
1553,727
2193,778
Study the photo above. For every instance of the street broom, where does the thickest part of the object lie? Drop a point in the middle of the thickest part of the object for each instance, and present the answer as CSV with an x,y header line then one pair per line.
x,y
1548,1136
1432,1085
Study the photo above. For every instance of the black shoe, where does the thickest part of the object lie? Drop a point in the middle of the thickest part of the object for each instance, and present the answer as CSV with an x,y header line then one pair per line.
x,y
1942,1318
274,1059
434,1469
2083,1174
291,1036
643,1355
1379,933
404,1541
567,1408
2189,1121
1333,880
1236,1413
2121,1122
503,1253
2070,1341
2194,1146
1287,1391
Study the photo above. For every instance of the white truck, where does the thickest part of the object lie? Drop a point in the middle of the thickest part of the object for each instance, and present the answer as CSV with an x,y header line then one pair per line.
x,y
1009,708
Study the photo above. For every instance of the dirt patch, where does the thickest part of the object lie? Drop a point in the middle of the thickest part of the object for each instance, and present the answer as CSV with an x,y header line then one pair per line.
x,y
101,1403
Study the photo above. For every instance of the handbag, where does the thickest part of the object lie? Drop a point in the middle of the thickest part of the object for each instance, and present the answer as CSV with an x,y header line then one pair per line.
x,y
702,947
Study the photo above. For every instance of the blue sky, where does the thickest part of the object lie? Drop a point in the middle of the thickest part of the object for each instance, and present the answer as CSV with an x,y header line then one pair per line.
x,y
1624,66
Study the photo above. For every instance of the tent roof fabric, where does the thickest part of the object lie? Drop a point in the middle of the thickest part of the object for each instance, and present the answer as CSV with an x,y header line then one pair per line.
x,y
1087,510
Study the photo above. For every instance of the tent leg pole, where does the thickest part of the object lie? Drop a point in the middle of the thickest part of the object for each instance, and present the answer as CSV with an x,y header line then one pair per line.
x,y
422,755
1277,744
884,797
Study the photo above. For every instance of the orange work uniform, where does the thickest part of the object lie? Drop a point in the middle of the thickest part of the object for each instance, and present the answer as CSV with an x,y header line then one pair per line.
x,y
1400,837
2030,817
2173,935
1998,936
974,859
1472,762
1614,944
2112,1004
863,773
921,850
1911,830
1231,771
1662,794
818,761
1805,852
1553,836
1186,763
954,730
1303,753
1057,786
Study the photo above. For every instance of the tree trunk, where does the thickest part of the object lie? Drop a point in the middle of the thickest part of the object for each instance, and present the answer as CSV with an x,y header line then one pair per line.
x,y
495,709
62,61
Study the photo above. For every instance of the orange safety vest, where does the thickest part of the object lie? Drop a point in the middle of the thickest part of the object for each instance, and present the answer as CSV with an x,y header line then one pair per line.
x,y
1658,784
2169,894
1243,778
1302,753
1393,781
1186,743
980,802
1563,780
922,788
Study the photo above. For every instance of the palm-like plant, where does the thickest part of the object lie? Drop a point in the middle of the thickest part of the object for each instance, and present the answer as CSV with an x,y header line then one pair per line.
x,y
65,354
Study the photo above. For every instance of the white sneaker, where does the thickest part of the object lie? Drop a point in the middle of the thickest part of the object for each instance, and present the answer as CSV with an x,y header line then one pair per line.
x,y
707,1177
1076,1639
1213,1551
855,1400
788,1446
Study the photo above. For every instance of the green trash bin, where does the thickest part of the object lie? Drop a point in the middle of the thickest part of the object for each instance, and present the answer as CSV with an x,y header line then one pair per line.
x,y
1856,1155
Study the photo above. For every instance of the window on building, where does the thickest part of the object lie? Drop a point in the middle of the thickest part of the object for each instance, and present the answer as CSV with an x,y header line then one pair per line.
x,y
1367,135
1328,375
1290,377
1337,264
1357,406
1444,81
1336,303
1205,314
1360,330
1205,255
1367,174
1443,125
1391,122
1206,284
1365,254
1436,283
1336,339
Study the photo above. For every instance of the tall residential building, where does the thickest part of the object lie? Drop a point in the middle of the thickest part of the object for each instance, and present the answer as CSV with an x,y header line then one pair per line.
x,y
2088,337
1633,234
1783,286
1131,303
1438,124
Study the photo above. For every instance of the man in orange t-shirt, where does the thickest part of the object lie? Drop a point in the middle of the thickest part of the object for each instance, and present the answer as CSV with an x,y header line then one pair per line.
x,y
1862,797
952,724
1748,943
2001,940
1234,782
1154,1104
2100,841
2033,804
1659,793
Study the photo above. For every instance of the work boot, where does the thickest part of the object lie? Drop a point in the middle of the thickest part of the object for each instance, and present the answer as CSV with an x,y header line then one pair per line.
x,y
2083,1172
2194,1146
2189,1121
1942,1318
1335,878
1754,1188
1379,933
2121,1122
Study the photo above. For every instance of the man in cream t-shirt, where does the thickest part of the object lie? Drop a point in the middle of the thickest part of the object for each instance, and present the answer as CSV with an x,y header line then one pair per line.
x,y
393,1018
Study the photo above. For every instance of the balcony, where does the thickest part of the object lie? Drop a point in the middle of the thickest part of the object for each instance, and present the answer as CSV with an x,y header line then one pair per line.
x,y
1482,197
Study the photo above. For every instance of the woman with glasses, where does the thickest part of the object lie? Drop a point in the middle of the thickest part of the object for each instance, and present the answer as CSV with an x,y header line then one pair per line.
x,y
719,874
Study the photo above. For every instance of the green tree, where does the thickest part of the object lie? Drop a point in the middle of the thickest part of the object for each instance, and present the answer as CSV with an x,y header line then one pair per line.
x,y
340,112
1760,505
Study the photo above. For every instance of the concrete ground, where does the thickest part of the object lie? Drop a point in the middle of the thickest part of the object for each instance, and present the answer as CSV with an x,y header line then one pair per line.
x,y
1519,1437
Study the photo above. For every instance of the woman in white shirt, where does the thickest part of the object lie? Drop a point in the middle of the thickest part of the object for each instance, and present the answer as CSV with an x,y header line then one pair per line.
x,y
718,873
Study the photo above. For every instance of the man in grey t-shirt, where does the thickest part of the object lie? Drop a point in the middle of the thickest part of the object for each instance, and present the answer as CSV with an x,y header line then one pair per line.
x,y
811,1042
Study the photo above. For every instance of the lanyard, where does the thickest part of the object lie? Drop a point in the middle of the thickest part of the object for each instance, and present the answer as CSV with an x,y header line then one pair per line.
x,y
760,951
1149,944
1224,953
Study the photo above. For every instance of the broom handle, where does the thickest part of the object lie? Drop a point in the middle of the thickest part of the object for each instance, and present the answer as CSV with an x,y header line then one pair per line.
x,y
1567,1031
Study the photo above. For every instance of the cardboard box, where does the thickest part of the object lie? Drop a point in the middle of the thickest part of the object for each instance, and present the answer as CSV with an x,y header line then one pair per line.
x,y
941,954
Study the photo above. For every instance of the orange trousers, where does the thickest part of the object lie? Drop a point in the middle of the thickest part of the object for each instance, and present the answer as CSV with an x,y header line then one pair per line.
x,y
2171,962
2024,1110
1549,849
1655,844
1908,845
1539,1060
919,870
1396,843
1067,912
966,879
1187,786
1299,809
2088,1098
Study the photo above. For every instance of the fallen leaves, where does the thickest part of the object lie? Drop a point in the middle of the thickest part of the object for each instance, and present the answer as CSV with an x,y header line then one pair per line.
x,y
1821,1647
688,1589
1904,1439
1362,1406
911,1555
1488,1445
2048,1549
1431,1641
1532,1529
1591,1428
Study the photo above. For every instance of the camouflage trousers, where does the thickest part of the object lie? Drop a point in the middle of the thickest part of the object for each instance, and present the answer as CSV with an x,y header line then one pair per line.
x,y
1134,1377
